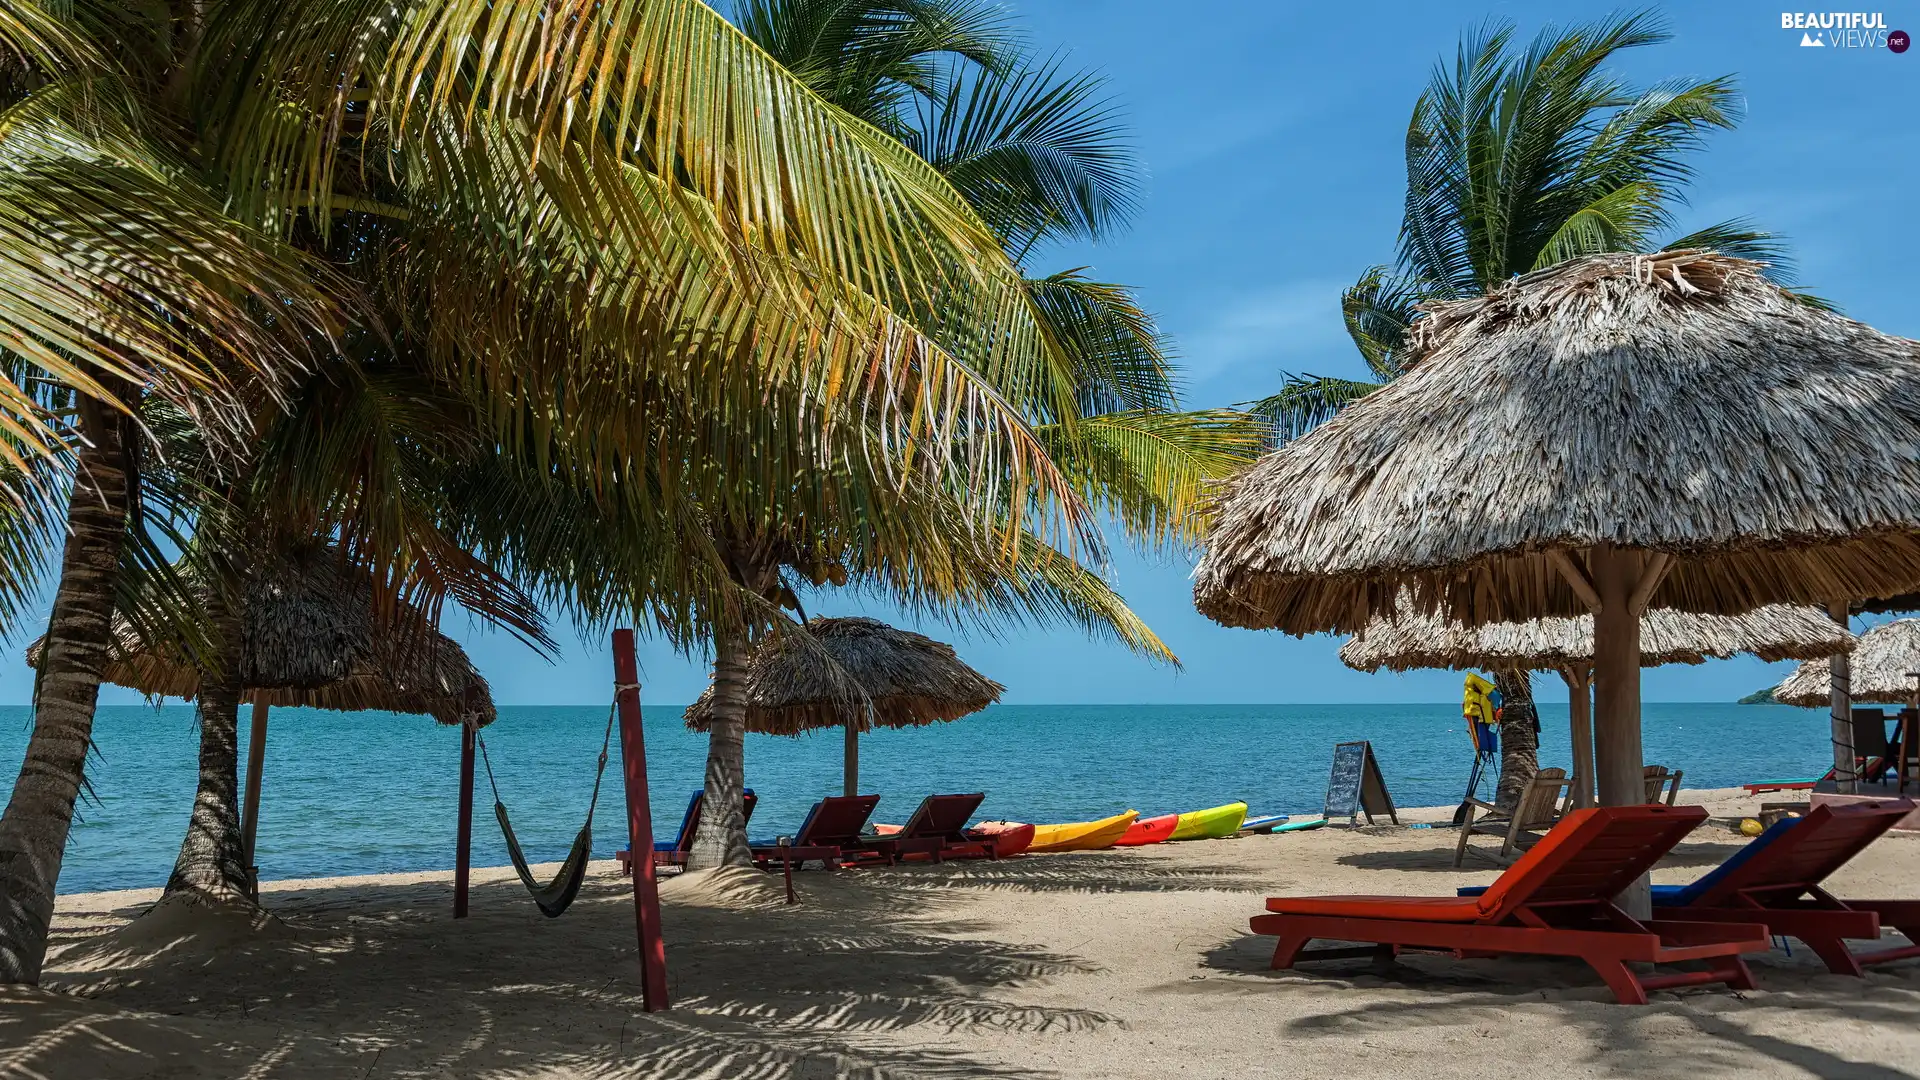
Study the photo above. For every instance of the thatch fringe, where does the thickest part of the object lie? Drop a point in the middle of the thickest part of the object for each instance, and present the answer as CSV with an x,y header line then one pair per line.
x,y
312,639
1880,671
1678,403
829,677
1776,632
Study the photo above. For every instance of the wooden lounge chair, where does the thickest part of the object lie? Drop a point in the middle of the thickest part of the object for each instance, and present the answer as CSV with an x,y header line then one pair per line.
x,y
674,852
1543,803
1662,786
938,830
1776,880
831,835
1557,900
1905,745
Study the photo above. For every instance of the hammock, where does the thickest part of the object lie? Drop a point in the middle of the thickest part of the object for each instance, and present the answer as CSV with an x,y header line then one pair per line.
x,y
555,896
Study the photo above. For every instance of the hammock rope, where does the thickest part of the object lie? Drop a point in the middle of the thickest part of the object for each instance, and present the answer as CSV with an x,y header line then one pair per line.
x,y
553,897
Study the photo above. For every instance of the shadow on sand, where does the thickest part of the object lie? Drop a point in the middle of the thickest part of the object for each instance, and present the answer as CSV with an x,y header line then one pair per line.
x,y
825,988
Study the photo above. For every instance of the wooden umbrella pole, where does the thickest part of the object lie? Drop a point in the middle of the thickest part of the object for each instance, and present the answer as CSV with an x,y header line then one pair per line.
x,y
256,759
1840,673
633,769
850,770
1619,763
1580,721
463,840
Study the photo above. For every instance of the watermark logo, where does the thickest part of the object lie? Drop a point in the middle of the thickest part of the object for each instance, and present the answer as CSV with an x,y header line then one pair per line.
x,y
1845,30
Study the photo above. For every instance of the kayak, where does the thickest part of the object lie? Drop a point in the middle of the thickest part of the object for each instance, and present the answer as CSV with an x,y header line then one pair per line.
x,y
1148,830
1264,824
1082,835
1210,824
1301,826
1009,837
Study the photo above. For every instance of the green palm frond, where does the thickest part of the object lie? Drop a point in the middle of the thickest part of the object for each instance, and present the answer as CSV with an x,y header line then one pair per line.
x,y
1307,401
1038,152
1120,359
1378,309
1153,472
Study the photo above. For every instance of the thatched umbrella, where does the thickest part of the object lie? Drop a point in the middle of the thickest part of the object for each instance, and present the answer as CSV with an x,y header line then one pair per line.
x,y
1883,669
1604,436
857,674
312,639
1409,641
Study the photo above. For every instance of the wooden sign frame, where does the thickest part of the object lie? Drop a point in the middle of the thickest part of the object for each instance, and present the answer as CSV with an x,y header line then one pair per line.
x,y
1369,797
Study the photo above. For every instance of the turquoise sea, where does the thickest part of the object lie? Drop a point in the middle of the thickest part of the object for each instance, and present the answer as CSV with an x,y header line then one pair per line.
x,y
374,792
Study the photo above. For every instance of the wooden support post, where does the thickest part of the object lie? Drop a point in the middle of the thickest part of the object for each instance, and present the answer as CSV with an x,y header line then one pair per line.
x,y
463,841
250,806
850,769
1580,721
633,764
1840,674
1619,763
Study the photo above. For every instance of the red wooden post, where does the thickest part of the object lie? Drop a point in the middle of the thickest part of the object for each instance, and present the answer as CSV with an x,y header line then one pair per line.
x,y
633,761
463,844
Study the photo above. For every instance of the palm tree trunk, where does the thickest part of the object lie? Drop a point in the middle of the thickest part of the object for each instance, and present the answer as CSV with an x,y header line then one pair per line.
x,y
213,858
1519,737
33,830
721,839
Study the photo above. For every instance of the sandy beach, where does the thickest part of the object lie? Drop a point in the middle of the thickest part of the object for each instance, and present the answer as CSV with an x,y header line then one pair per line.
x,y
1111,964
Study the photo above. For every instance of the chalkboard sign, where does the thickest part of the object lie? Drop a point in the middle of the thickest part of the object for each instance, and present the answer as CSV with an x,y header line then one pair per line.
x,y
1355,787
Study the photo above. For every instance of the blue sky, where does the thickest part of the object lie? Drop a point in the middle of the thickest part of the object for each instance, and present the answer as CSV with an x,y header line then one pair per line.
x,y
1272,133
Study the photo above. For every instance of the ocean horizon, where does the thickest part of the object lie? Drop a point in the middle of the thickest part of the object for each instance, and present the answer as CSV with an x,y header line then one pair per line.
x,y
364,793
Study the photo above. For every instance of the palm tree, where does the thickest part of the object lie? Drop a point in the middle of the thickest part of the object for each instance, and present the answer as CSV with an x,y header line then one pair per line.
x,y
1040,157
619,232
1517,160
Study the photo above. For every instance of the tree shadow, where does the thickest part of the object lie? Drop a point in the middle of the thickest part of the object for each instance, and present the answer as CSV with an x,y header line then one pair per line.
x,y
857,980
1481,852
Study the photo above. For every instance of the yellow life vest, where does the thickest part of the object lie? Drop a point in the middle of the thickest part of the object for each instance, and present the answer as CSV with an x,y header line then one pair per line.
x,y
1475,703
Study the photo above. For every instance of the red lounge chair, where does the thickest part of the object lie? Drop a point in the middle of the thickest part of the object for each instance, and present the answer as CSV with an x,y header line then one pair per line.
x,y
1776,880
1556,900
831,834
938,829
674,852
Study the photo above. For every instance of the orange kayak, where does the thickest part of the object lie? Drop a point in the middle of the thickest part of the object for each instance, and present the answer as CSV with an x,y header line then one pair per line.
x,y
1009,837
1149,830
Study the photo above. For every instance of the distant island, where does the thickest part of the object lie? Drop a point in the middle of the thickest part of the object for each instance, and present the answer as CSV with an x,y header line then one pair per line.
x,y
1759,697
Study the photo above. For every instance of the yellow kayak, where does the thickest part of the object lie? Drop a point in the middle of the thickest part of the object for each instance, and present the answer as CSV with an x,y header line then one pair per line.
x,y
1082,835
1210,824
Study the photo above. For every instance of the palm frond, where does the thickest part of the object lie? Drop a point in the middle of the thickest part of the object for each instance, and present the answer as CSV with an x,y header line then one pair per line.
x,y
1305,402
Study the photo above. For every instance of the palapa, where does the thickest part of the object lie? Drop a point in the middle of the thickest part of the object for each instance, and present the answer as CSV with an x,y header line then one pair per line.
x,y
312,639
1775,632
1607,435
1409,640
1883,665
854,670
853,673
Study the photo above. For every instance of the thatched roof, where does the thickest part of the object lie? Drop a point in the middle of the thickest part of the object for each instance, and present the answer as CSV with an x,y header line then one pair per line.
x,y
1774,632
1678,403
1879,671
795,684
312,639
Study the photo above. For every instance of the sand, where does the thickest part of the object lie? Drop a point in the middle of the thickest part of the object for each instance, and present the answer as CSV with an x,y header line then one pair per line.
x,y
1106,964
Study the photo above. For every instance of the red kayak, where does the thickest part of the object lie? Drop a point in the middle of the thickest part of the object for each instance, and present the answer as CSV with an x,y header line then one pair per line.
x,y
1008,837
1149,830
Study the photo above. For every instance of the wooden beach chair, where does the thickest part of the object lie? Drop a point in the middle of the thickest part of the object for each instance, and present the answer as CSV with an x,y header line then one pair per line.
x,y
1906,743
938,830
1542,805
1776,879
831,835
674,852
1557,900
1662,786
